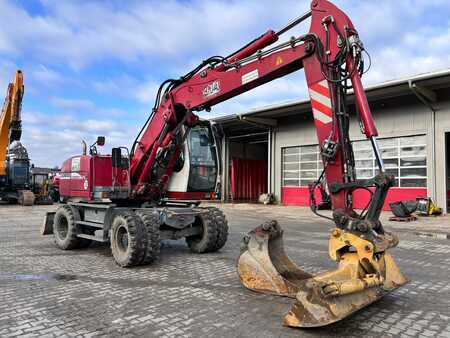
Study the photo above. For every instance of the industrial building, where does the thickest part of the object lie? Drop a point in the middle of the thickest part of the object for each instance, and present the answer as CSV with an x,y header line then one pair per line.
x,y
274,149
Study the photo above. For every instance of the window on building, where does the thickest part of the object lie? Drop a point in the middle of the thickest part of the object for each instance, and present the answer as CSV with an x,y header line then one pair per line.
x,y
404,158
301,165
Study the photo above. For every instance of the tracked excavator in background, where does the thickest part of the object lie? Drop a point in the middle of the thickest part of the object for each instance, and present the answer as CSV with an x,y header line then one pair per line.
x,y
123,199
14,161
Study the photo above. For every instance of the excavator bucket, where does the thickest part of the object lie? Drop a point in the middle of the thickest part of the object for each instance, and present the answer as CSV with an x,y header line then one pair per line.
x,y
263,266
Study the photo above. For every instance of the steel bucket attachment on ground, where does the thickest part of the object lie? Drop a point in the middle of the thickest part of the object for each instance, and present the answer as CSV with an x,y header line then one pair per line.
x,y
365,273
47,225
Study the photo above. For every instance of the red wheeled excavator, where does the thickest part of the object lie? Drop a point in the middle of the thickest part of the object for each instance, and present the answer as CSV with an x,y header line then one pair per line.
x,y
122,199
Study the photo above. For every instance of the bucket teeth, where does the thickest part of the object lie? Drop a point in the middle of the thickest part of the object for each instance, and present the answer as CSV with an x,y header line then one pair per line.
x,y
328,297
263,266
314,309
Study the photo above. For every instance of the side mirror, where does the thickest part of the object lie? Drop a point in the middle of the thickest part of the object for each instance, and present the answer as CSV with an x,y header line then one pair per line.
x,y
101,141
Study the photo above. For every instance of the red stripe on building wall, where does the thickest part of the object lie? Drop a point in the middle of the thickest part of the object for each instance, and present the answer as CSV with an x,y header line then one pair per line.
x,y
300,196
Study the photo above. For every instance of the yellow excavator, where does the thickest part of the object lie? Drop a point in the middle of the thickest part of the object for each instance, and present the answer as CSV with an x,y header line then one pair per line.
x,y
14,161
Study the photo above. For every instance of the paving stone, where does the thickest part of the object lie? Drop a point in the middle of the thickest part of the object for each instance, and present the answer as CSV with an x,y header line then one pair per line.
x,y
188,295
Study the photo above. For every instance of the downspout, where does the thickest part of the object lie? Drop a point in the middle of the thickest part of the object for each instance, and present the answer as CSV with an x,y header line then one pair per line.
x,y
269,162
428,104
225,169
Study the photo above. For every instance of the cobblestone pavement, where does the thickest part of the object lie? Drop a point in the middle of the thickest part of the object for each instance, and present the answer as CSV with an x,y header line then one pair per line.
x,y
48,292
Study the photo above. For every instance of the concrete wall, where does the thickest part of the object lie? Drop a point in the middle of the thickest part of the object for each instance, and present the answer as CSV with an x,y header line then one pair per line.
x,y
401,116
442,126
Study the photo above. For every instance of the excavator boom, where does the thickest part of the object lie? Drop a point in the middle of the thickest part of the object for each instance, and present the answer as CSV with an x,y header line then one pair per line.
x,y
10,119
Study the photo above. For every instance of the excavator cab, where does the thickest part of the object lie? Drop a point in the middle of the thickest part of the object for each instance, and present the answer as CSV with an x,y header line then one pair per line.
x,y
197,174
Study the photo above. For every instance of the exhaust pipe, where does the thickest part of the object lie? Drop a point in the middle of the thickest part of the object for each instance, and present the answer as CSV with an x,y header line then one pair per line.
x,y
84,147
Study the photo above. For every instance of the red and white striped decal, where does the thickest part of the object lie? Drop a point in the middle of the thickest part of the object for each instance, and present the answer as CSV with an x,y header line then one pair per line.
x,y
321,102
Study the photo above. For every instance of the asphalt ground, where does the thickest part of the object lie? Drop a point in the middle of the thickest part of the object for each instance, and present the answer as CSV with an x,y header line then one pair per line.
x,y
46,292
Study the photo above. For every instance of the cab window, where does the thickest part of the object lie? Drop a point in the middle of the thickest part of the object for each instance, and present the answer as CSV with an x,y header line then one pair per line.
x,y
75,164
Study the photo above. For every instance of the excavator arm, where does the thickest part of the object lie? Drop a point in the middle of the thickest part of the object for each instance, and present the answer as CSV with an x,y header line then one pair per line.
x,y
331,44
331,55
10,119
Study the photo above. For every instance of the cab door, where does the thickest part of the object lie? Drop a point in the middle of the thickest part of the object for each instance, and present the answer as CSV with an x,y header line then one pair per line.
x,y
204,165
79,176
198,175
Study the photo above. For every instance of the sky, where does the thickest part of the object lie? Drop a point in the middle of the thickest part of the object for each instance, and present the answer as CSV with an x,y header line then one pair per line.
x,y
93,67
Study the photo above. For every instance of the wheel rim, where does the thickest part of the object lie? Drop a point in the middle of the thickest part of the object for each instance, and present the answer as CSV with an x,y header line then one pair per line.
x,y
122,239
62,228
200,223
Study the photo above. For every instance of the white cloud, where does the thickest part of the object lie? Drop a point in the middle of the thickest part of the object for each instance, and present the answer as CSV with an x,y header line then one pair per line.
x,y
122,85
146,92
84,107
46,76
79,33
51,140
7,72
148,40
72,104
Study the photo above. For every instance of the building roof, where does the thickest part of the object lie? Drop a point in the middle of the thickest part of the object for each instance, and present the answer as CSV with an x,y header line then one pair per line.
x,y
41,170
233,123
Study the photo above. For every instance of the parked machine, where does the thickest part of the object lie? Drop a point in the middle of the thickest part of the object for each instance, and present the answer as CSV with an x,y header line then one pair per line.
x,y
122,197
14,161
426,207
53,187
100,204
40,185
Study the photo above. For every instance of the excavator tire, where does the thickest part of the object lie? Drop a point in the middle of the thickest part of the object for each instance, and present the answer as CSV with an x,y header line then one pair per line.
x,y
215,232
128,239
151,223
65,229
222,228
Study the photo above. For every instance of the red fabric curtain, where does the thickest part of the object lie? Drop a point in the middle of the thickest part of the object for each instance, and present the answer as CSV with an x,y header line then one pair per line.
x,y
248,179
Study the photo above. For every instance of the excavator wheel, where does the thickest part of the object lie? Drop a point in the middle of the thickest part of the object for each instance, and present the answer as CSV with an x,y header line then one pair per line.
x,y
65,229
214,235
151,223
128,239
362,277
222,228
